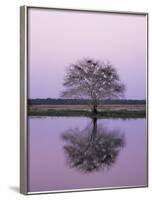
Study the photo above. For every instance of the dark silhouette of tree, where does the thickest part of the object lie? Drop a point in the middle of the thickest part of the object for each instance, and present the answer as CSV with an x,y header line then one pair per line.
x,y
92,79
93,148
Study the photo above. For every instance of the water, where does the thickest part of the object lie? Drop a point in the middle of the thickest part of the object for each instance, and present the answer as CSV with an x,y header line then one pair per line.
x,y
66,153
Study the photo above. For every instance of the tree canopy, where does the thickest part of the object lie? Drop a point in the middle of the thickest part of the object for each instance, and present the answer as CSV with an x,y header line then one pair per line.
x,y
92,79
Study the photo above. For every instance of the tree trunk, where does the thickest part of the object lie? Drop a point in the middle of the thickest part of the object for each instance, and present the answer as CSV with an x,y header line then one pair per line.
x,y
94,110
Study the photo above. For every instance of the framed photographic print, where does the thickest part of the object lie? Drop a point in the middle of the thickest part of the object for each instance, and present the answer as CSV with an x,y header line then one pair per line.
x,y
83,100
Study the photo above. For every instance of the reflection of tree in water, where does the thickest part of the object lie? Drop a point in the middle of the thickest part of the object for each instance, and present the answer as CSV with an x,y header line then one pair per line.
x,y
93,148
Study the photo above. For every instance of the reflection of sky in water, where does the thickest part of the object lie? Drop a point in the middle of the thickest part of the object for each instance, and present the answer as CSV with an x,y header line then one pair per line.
x,y
48,169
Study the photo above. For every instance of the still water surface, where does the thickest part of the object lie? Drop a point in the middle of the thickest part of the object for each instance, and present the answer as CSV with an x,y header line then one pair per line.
x,y
66,153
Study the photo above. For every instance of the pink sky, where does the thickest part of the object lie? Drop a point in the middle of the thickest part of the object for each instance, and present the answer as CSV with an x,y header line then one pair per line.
x,y
60,38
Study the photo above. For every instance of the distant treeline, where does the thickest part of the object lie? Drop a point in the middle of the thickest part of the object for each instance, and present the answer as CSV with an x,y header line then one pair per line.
x,y
81,101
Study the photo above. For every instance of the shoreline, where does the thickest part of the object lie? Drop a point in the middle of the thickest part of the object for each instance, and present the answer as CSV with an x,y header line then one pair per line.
x,y
84,113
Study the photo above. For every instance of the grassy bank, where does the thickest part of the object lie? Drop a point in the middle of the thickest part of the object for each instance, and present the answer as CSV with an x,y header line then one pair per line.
x,y
85,113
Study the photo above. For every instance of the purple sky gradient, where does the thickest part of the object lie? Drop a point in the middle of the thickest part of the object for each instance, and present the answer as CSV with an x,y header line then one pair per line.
x,y
60,38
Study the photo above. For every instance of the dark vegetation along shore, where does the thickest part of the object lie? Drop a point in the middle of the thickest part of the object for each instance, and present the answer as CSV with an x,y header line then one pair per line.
x,y
81,107
50,101
78,113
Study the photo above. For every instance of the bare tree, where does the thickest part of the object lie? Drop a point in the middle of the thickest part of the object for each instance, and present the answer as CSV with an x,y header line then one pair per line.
x,y
94,80
93,148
